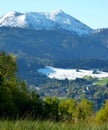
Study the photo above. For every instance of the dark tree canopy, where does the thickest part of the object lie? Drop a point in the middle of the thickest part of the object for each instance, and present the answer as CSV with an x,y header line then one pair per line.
x,y
15,97
8,67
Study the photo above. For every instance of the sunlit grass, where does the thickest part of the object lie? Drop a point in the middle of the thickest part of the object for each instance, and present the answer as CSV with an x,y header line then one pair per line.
x,y
102,82
49,125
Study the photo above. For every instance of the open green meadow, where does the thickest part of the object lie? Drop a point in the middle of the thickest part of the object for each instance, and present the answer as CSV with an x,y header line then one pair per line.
x,y
102,82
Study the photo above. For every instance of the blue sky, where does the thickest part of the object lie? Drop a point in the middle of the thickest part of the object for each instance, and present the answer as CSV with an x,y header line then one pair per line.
x,y
93,13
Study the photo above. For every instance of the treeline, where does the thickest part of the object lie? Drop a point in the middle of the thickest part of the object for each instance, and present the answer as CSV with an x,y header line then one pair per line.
x,y
80,88
18,101
28,68
83,63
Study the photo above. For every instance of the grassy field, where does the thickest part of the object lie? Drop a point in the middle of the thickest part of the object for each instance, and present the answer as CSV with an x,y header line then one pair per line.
x,y
48,125
102,82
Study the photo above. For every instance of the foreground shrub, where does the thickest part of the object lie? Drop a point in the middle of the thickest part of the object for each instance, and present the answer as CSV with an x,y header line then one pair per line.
x,y
102,114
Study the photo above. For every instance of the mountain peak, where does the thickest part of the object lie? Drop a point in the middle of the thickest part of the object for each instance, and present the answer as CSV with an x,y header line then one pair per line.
x,y
13,19
12,14
54,20
57,11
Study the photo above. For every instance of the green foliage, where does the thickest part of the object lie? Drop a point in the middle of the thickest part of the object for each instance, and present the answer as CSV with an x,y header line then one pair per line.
x,y
51,108
84,110
16,100
36,105
7,84
102,82
7,67
67,108
19,101
102,114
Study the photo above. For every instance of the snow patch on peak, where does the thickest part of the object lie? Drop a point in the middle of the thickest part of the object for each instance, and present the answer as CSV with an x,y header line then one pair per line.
x,y
69,23
60,18
58,11
54,14
13,19
11,14
39,21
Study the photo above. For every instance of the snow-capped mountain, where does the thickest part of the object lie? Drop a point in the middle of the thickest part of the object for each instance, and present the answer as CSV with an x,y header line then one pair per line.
x,y
44,21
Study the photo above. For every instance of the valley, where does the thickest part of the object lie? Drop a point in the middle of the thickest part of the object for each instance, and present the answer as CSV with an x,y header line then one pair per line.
x,y
54,65
57,40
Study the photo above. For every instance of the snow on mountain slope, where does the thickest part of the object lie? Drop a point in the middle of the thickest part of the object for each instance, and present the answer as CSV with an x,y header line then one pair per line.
x,y
68,22
39,21
62,74
13,19
44,21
